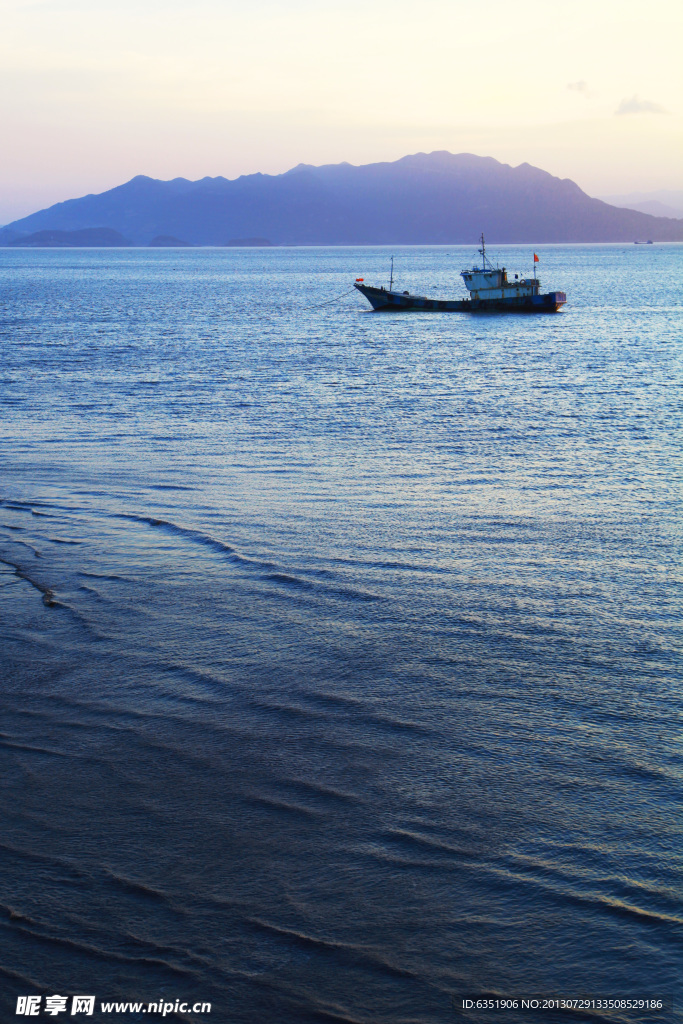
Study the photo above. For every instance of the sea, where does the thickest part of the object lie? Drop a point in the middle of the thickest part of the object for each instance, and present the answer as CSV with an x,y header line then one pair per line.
x,y
341,651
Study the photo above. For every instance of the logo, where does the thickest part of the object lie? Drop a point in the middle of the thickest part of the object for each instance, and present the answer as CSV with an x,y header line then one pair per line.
x,y
30,1006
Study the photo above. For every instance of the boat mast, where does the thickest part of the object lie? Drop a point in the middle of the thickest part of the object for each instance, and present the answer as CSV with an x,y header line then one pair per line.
x,y
482,252
391,278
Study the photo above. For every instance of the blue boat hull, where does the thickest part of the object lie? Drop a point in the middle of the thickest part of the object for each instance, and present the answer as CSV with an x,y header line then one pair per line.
x,y
384,301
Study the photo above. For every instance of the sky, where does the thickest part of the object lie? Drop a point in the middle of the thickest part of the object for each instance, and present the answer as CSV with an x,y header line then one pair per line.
x,y
97,91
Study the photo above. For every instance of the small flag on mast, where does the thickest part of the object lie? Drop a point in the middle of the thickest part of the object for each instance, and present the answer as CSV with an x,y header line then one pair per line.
x,y
535,258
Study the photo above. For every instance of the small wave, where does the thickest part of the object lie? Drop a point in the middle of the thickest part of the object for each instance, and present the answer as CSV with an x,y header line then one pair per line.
x,y
15,506
106,954
284,807
66,866
287,710
23,979
339,700
180,531
319,791
13,745
131,885
16,915
170,487
297,583
274,573
563,892
396,724
352,594
94,593
294,936
169,750
157,948
48,595
317,944
289,581
25,544
103,576
416,840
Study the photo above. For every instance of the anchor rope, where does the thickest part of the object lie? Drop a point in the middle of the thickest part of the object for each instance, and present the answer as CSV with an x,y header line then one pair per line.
x,y
328,302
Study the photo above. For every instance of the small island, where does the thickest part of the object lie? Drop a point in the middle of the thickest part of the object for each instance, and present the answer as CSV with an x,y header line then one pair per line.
x,y
85,238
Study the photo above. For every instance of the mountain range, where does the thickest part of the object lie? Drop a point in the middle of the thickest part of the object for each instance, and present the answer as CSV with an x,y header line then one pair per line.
x,y
662,203
423,199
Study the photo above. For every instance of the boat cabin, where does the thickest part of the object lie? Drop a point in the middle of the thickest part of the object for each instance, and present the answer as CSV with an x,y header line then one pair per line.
x,y
489,282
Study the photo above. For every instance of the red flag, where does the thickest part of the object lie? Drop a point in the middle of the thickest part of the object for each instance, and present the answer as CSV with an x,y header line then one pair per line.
x,y
535,258
360,279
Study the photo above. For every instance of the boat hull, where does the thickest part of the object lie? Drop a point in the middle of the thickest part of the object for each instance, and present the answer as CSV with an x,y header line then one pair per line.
x,y
393,302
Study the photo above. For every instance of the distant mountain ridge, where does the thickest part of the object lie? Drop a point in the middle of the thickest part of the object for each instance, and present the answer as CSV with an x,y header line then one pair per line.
x,y
662,203
429,199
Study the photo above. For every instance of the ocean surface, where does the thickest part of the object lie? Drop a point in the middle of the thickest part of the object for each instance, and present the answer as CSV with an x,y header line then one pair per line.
x,y
341,672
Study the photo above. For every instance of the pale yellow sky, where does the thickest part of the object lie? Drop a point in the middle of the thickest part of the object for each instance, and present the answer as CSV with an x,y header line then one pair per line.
x,y
96,91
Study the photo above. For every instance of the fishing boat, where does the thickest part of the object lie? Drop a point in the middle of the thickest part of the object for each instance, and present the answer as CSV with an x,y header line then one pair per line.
x,y
490,291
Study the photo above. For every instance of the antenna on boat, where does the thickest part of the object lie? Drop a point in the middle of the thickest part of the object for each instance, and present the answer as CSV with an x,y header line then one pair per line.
x,y
482,253
391,278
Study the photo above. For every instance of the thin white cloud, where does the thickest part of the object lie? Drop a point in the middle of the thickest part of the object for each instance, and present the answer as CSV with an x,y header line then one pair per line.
x,y
637,106
580,86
